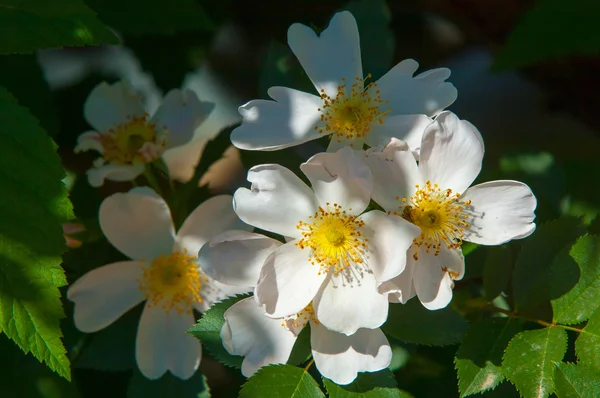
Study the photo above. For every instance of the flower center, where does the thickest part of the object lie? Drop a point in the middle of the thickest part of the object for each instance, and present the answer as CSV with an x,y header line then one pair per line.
x,y
441,215
351,115
173,282
334,237
131,142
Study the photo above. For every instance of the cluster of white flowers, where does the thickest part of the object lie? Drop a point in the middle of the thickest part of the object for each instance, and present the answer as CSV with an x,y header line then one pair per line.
x,y
374,226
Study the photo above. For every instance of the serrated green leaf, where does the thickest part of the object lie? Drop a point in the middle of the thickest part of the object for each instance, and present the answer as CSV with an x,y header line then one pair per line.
x,y
33,203
281,381
366,385
479,358
208,330
497,268
142,17
552,29
576,381
413,323
529,360
168,386
35,24
584,298
532,267
587,345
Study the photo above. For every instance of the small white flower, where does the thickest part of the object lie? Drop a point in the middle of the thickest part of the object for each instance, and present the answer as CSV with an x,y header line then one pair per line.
x,y
127,137
335,256
163,272
435,195
347,107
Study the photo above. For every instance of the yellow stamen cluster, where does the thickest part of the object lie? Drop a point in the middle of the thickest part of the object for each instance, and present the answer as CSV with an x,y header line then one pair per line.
x,y
123,143
297,322
173,282
440,214
351,115
334,237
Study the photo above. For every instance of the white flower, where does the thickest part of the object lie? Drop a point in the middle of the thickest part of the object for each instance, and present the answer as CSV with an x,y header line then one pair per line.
x,y
335,256
163,272
435,195
127,137
352,112
264,340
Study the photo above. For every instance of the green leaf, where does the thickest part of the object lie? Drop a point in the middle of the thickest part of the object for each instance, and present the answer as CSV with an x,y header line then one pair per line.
x,y
587,345
208,330
301,351
282,381
367,385
168,386
528,360
576,381
583,299
479,357
497,268
142,17
413,323
532,267
552,29
33,205
35,24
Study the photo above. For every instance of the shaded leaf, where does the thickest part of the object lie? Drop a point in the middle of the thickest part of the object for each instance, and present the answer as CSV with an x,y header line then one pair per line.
x,y
367,385
168,386
587,345
497,268
282,381
301,351
576,381
528,360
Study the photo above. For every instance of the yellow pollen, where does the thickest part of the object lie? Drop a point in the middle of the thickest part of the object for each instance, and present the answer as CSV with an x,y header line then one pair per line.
x,y
352,114
173,282
441,215
297,322
123,143
334,237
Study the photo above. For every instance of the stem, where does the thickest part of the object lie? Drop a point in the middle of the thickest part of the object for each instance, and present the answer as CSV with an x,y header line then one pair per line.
x,y
312,360
515,315
152,181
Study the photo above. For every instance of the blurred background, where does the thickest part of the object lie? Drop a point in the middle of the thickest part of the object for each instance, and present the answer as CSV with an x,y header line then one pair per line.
x,y
527,74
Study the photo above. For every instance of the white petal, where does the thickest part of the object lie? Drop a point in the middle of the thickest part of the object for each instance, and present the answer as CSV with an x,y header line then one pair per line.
x,y
138,223
104,294
339,357
389,238
162,344
395,173
341,178
179,114
434,277
427,93
288,281
90,140
276,202
501,211
109,105
271,125
235,257
213,291
333,55
249,332
350,301
209,219
408,128
451,153
114,172
401,288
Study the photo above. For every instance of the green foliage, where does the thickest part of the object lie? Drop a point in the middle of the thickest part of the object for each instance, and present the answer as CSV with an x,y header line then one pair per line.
x,y
413,323
367,385
587,345
582,300
33,204
282,381
532,267
142,17
552,29
576,381
208,330
479,357
301,351
281,68
28,25
168,386
497,268
528,360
